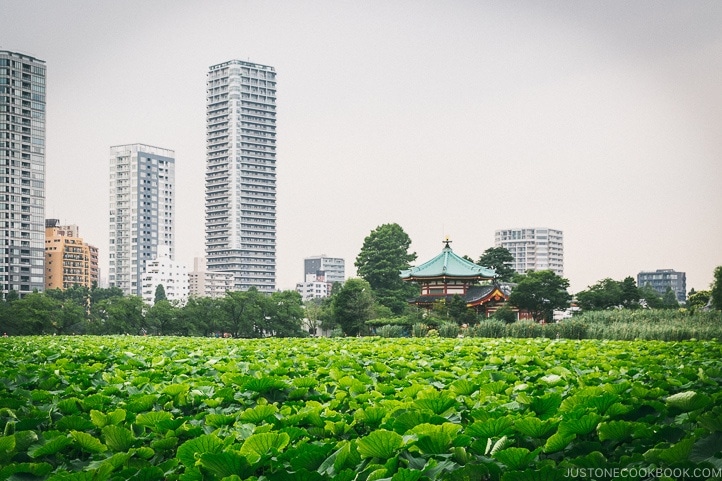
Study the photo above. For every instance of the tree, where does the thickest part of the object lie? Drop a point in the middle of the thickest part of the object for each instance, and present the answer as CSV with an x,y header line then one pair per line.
x,y
499,259
540,293
201,316
716,290
384,254
602,295
698,299
285,315
159,293
162,318
669,299
352,305
649,297
242,311
121,315
630,293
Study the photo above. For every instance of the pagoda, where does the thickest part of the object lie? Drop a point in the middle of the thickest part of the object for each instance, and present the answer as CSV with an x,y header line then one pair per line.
x,y
448,275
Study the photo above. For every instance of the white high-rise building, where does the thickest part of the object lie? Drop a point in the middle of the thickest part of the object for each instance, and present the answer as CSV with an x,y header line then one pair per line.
x,y
240,222
332,269
142,205
22,183
533,248
166,272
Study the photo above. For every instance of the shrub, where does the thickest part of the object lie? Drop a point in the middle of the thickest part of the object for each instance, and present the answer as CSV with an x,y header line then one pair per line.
x,y
505,314
391,331
449,329
525,328
488,328
419,329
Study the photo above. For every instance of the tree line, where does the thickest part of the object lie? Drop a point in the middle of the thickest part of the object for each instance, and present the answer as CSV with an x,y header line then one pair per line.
x,y
79,310
377,293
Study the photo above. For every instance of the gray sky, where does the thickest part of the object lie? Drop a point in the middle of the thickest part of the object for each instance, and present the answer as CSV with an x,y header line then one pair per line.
x,y
602,119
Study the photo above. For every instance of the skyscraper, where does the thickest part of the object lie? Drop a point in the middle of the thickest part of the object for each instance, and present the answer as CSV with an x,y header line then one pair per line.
x,y
241,173
142,205
22,182
533,248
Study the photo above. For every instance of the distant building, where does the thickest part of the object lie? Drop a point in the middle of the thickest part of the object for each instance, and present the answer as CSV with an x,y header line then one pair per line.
x,y
142,205
22,155
315,287
205,283
166,272
533,248
69,261
663,279
332,269
240,199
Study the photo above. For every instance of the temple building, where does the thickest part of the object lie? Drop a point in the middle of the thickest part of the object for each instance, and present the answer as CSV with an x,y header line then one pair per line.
x,y
448,274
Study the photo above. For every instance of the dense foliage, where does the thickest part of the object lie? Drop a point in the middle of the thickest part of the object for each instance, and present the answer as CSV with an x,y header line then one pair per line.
x,y
540,293
355,409
384,254
499,259
108,311
716,292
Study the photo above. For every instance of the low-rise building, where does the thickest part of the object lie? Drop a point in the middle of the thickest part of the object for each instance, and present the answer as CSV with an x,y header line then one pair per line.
x,y
663,279
205,283
164,271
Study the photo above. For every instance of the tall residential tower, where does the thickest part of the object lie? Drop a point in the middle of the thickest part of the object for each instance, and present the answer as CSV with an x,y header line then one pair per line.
x,y
241,173
533,248
22,182
142,204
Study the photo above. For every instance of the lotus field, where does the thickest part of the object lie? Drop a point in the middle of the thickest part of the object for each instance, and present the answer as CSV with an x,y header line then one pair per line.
x,y
153,408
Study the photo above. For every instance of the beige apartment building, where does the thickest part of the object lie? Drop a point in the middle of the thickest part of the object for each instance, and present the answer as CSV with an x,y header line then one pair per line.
x,y
68,260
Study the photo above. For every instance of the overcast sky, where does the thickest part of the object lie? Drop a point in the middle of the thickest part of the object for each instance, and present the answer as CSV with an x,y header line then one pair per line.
x,y
602,119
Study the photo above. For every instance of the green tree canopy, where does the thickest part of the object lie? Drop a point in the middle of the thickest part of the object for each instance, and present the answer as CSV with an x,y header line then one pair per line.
x,y
540,293
159,293
609,293
716,290
352,305
384,254
650,297
698,299
499,259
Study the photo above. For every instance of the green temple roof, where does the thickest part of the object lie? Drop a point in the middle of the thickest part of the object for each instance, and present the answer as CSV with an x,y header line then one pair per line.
x,y
448,264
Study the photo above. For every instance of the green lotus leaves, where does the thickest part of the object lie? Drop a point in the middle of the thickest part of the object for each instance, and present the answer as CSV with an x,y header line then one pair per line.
x,y
88,443
352,408
118,438
153,418
50,447
516,458
261,444
190,451
258,414
380,444
688,401
225,464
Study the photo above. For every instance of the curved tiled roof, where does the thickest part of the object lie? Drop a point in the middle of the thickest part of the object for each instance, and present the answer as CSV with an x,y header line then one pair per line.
x,y
448,264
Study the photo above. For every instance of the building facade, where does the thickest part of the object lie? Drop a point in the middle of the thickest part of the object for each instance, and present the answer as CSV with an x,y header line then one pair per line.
x,y
205,283
663,279
142,205
69,261
333,269
315,287
533,248
164,271
22,183
240,198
